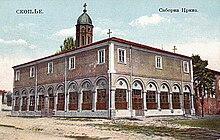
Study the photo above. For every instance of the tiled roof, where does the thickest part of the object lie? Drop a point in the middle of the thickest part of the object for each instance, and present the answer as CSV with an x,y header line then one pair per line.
x,y
3,91
110,39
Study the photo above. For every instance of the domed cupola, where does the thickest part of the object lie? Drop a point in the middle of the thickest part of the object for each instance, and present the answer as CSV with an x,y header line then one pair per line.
x,y
84,29
84,18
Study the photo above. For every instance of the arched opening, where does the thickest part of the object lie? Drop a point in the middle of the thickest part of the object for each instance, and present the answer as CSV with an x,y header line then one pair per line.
x,y
101,103
121,95
137,96
73,97
51,99
24,100
151,96
40,99
176,97
32,100
164,99
60,98
17,101
186,92
87,96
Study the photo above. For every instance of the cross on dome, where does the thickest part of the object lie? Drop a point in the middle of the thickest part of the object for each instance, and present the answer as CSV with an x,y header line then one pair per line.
x,y
84,7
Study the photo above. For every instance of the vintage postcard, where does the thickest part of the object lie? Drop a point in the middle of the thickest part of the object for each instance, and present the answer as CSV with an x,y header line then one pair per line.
x,y
101,69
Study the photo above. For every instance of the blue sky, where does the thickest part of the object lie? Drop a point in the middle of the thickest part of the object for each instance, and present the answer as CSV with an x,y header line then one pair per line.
x,y
25,37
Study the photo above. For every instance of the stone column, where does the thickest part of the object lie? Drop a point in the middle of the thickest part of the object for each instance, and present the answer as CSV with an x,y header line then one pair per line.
x,y
129,99
28,102
158,100
94,100
80,99
36,102
55,102
112,99
192,105
20,103
171,101
144,100
67,102
182,101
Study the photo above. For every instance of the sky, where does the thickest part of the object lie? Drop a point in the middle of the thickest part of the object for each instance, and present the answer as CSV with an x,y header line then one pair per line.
x,y
26,37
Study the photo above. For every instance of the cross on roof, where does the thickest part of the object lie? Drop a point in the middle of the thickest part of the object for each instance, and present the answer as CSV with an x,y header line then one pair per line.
x,y
84,7
109,33
174,49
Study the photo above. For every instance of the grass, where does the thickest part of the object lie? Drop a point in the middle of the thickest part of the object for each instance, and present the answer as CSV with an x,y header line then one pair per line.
x,y
76,119
37,129
190,133
212,124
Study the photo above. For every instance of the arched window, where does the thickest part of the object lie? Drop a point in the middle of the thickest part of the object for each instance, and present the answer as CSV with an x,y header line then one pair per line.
x,y
32,101
89,39
83,40
176,97
87,96
186,92
151,98
101,103
24,101
137,96
164,99
17,101
121,95
51,99
73,97
61,98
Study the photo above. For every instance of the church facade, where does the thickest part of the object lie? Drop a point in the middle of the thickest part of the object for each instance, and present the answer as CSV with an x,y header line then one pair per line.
x,y
107,79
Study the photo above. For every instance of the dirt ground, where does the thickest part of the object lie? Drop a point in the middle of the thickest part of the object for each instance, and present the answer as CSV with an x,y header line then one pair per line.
x,y
21,128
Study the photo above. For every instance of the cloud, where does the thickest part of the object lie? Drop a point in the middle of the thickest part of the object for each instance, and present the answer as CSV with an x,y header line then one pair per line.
x,y
19,42
145,20
65,32
207,49
31,46
100,31
7,61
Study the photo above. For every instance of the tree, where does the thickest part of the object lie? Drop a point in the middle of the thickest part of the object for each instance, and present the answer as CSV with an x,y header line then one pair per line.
x,y
203,78
68,44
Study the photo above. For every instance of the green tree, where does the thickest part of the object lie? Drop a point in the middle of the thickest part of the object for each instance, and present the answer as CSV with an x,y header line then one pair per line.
x,y
68,44
203,78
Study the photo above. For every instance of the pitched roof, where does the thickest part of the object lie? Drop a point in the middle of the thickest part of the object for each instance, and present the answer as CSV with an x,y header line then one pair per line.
x,y
3,91
215,72
106,40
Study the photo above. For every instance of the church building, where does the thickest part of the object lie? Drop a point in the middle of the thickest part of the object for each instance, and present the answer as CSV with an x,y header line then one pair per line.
x,y
109,78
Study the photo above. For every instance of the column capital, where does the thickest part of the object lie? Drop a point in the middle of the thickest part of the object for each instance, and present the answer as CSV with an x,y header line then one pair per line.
x,y
113,89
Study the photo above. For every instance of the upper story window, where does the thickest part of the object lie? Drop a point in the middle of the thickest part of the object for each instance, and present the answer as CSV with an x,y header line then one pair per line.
x,y
101,56
50,67
17,75
158,62
122,56
89,40
185,66
83,40
72,61
32,71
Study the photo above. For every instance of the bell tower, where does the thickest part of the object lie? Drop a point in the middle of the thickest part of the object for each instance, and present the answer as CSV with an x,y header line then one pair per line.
x,y
84,29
